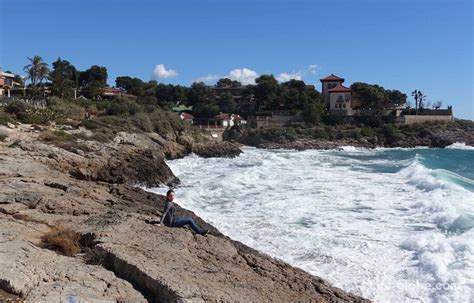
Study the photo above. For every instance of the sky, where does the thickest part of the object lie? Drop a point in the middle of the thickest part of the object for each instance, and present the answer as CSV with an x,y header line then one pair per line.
x,y
400,44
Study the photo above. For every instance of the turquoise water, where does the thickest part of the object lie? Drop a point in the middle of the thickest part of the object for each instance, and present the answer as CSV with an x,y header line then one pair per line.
x,y
448,164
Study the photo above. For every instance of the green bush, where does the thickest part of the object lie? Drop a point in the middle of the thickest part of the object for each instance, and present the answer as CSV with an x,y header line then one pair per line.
x,y
368,131
161,123
122,106
280,134
319,133
391,133
16,107
355,134
65,109
333,120
142,121
6,118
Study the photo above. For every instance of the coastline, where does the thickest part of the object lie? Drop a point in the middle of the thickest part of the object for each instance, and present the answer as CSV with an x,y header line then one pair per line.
x,y
93,196
432,135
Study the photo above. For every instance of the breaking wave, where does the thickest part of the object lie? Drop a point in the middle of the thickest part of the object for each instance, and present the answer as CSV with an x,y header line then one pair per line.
x,y
389,224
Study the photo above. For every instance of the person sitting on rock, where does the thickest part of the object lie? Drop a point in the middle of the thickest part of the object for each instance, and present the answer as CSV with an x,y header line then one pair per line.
x,y
168,218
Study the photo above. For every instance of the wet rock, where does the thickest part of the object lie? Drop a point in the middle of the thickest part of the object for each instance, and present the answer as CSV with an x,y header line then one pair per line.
x,y
216,149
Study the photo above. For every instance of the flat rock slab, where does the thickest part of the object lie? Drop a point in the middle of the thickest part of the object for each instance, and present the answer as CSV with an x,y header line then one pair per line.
x,y
41,275
173,264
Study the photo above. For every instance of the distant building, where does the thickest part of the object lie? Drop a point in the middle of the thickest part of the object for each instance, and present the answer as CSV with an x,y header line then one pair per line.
x,y
336,96
228,120
6,83
341,100
186,117
115,92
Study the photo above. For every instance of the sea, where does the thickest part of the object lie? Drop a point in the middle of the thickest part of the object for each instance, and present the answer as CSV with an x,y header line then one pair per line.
x,y
391,225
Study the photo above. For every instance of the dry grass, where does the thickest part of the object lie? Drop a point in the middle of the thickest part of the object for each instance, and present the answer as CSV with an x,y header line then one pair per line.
x,y
63,240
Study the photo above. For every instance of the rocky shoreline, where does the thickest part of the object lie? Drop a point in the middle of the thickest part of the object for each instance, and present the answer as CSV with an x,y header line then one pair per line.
x,y
432,135
88,192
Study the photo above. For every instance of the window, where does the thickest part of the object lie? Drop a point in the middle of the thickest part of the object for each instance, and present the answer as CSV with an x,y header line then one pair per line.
x,y
339,98
331,85
344,105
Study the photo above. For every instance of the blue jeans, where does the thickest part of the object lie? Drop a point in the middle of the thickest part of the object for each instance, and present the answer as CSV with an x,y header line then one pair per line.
x,y
180,222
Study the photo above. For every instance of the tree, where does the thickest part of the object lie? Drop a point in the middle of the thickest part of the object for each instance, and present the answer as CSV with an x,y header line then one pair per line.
x,y
203,100
93,89
62,78
396,97
200,93
293,94
266,91
227,103
94,73
133,86
37,70
375,96
419,98
224,82
93,81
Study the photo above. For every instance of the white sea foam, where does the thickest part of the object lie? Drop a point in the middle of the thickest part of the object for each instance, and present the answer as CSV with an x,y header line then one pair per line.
x,y
404,236
460,145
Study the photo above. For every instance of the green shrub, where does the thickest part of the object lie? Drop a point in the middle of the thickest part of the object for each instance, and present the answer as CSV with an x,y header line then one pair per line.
x,y
355,134
65,109
38,116
332,120
368,131
16,107
6,118
319,133
279,134
161,123
142,121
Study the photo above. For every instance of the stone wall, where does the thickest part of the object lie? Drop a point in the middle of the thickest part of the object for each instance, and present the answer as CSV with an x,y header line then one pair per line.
x,y
412,119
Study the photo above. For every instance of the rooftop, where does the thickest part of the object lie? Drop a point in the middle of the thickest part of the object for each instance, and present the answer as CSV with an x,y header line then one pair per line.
x,y
339,89
332,77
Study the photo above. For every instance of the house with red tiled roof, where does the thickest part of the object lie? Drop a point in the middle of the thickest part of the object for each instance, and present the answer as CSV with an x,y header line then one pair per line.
x,y
337,96
6,83
186,117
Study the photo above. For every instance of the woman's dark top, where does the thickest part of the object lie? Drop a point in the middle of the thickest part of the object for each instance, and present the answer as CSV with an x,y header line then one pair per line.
x,y
168,214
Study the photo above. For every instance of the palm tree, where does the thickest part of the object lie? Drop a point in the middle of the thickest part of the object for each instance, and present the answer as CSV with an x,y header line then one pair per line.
x,y
37,70
419,98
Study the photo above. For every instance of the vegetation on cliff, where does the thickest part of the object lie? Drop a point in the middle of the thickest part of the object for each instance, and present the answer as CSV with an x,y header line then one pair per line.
x,y
370,133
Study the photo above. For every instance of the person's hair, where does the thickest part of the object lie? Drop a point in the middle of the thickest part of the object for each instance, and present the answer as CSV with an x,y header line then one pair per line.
x,y
169,192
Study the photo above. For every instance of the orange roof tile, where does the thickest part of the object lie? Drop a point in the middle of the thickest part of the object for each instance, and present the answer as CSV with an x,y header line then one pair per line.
x,y
332,77
339,89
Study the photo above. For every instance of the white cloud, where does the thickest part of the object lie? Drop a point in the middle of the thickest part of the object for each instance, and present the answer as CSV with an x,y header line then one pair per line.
x,y
313,69
243,75
160,72
284,77
298,75
248,76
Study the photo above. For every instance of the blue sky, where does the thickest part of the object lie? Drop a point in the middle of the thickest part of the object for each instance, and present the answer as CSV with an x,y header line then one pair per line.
x,y
399,44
